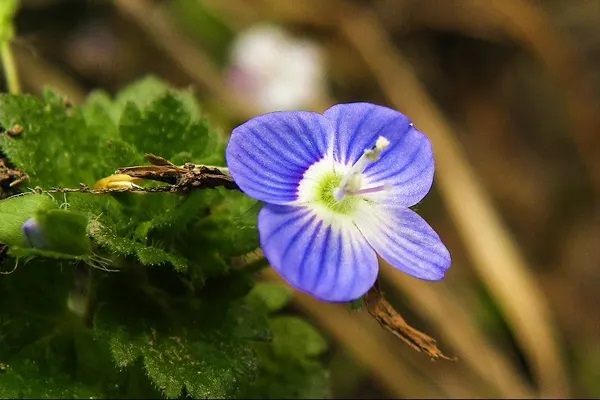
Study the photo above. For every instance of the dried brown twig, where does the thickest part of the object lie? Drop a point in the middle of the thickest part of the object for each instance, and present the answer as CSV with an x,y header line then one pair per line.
x,y
178,179
182,179
390,319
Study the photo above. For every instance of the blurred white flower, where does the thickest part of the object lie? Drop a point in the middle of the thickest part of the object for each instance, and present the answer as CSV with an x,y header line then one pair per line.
x,y
276,71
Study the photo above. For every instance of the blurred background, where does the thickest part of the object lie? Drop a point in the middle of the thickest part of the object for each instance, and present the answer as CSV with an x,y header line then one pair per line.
x,y
507,90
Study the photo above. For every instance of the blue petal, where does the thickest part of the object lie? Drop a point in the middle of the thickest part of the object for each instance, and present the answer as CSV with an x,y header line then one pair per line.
x,y
406,166
268,155
324,257
403,239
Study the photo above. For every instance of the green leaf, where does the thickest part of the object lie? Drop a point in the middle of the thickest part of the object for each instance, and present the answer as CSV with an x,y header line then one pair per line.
x,y
167,128
23,379
231,228
55,148
64,145
146,90
106,236
203,347
270,296
110,150
288,367
64,231
296,338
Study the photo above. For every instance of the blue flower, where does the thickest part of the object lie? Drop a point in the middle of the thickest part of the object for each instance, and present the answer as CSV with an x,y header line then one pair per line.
x,y
337,188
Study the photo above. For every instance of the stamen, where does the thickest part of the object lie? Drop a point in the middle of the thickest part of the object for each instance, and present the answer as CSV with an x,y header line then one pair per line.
x,y
352,181
374,152
374,189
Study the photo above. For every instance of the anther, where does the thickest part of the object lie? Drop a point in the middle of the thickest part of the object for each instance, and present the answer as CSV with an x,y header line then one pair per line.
x,y
352,181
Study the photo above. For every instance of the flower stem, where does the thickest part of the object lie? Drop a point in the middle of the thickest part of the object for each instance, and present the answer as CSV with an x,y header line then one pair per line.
x,y
10,68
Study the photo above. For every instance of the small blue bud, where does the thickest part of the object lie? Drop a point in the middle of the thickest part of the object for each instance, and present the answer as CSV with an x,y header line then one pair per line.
x,y
34,237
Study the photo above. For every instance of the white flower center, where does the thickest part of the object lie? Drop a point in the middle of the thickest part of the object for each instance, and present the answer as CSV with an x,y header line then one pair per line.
x,y
329,185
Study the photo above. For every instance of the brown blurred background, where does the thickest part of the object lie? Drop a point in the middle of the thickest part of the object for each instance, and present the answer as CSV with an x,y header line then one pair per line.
x,y
507,90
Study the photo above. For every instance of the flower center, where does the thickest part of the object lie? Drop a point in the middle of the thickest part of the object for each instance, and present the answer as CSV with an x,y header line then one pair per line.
x,y
325,195
328,185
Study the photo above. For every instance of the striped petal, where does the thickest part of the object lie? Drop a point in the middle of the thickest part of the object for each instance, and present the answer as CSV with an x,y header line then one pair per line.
x,y
268,155
325,257
403,239
406,166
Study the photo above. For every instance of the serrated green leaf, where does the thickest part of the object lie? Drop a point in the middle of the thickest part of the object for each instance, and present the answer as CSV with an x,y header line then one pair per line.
x,y
56,148
165,127
204,350
206,369
113,152
146,90
64,145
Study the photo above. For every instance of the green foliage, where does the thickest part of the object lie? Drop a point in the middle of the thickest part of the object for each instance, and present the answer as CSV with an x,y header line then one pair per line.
x,y
199,346
269,296
289,366
46,350
134,294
